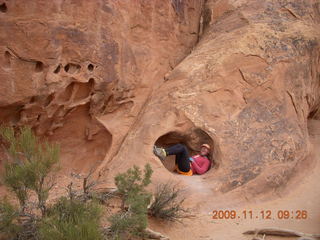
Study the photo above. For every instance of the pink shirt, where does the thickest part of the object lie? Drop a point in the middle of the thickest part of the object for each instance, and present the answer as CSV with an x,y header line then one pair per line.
x,y
200,164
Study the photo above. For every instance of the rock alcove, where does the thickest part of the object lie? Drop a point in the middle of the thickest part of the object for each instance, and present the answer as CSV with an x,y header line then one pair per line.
x,y
192,139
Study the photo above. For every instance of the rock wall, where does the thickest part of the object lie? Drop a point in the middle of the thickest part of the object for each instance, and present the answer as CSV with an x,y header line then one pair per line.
x,y
64,64
108,79
247,88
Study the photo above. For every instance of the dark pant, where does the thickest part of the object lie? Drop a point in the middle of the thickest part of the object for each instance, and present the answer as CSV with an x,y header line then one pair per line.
x,y
182,156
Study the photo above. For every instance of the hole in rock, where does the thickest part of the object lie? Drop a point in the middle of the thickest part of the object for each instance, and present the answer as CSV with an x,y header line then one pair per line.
x,y
7,58
3,7
83,89
57,70
66,94
39,66
315,114
313,120
192,139
49,99
72,68
66,68
90,67
77,152
91,81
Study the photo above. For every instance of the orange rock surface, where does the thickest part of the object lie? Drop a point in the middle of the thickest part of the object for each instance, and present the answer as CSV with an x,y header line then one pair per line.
x,y
65,65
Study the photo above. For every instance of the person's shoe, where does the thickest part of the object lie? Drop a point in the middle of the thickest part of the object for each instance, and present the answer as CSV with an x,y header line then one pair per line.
x,y
159,152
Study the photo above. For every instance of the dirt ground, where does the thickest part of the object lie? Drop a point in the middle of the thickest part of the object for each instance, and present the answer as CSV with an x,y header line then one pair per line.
x,y
301,194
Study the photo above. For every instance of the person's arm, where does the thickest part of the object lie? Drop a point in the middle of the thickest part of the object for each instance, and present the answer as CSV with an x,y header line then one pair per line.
x,y
201,170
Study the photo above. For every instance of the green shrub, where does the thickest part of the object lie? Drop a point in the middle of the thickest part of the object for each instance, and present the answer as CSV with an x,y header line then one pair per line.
x,y
8,216
167,203
133,219
29,168
29,165
71,220
14,176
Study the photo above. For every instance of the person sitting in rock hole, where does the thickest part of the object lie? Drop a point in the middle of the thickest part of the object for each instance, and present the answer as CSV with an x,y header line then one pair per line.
x,y
197,164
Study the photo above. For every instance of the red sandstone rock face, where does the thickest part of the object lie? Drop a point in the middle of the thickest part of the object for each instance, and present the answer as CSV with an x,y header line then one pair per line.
x,y
66,63
247,88
108,79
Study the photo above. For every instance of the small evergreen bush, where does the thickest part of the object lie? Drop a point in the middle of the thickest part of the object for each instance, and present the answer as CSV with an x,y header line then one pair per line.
x,y
29,165
8,216
131,185
71,219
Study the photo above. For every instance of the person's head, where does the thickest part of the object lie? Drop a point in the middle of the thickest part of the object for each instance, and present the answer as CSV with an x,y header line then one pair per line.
x,y
205,149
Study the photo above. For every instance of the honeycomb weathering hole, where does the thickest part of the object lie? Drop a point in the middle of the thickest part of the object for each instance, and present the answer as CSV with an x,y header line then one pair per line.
x,y
83,89
39,66
315,114
7,57
3,7
193,139
72,68
57,70
90,67
49,99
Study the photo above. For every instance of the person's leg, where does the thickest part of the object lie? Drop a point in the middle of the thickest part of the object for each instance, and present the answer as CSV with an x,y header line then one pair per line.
x,y
176,149
182,156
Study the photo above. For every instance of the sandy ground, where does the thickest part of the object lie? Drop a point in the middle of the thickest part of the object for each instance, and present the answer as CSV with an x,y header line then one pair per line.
x,y
301,194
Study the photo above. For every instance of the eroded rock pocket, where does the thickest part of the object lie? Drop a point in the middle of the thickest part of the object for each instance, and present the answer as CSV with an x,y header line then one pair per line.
x,y
192,139
3,8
